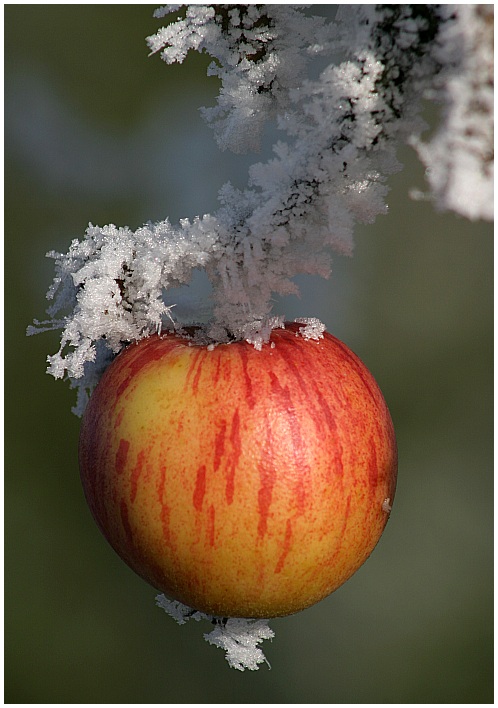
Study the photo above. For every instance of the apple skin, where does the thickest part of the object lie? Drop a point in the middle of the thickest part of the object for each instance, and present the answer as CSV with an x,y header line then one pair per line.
x,y
242,483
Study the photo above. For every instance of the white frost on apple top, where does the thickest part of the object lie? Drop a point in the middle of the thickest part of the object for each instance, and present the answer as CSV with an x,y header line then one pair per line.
x,y
328,172
313,328
239,637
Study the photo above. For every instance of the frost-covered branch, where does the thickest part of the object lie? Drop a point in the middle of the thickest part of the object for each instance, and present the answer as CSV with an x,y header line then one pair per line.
x,y
328,173
253,58
459,157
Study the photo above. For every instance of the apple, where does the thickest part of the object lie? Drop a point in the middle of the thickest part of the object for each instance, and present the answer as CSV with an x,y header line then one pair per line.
x,y
242,483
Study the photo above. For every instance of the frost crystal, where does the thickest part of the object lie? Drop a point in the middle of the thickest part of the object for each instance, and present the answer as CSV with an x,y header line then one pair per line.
x,y
313,328
328,172
237,636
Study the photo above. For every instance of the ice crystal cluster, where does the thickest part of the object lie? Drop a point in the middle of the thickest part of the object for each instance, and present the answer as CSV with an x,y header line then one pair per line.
x,y
329,171
238,637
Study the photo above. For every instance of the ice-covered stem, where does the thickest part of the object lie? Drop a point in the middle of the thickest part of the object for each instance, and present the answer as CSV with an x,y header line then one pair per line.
x,y
340,130
332,171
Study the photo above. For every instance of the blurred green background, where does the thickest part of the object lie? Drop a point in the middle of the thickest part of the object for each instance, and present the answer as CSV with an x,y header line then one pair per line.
x,y
96,131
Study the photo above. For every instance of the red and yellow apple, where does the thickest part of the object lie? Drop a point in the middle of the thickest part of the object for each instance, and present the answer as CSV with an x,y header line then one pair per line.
x,y
242,483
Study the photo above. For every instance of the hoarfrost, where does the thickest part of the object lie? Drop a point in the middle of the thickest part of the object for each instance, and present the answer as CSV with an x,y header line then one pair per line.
x,y
238,637
386,506
328,173
254,59
459,157
313,328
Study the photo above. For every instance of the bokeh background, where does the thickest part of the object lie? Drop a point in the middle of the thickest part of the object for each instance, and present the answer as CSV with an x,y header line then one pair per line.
x,y
97,131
